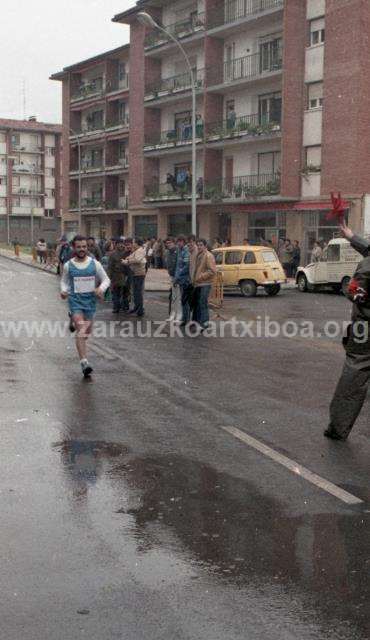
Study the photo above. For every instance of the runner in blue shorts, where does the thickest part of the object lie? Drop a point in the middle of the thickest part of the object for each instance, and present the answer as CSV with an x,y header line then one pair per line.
x,y
83,281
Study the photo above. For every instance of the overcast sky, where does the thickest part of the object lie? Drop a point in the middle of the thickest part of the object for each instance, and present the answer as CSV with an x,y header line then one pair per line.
x,y
40,37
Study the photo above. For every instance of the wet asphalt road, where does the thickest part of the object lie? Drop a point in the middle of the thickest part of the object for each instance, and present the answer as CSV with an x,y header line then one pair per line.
x,y
129,514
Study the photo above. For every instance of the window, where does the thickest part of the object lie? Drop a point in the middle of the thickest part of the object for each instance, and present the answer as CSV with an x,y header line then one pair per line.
x,y
4,180
122,188
233,257
269,256
313,158
315,95
317,32
250,258
271,55
269,163
16,139
2,136
334,253
121,70
49,213
218,257
266,225
269,108
122,111
53,193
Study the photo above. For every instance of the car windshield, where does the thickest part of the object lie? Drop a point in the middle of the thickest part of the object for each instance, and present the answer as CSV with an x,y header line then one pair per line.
x,y
269,256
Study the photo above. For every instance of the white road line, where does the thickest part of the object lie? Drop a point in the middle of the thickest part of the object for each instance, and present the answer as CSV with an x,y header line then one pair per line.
x,y
100,352
295,467
286,462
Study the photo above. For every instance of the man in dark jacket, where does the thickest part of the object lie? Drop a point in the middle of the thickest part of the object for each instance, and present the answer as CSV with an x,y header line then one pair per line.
x,y
351,391
118,274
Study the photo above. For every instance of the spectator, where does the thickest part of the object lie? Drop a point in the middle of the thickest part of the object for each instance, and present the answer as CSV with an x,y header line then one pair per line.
x,y
193,251
231,117
42,249
137,263
286,257
171,180
117,271
296,258
316,253
203,276
93,249
175,293
158,253
182,277
64,253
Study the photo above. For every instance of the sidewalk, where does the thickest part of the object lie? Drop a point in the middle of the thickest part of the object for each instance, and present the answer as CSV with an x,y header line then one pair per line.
x,y
156,280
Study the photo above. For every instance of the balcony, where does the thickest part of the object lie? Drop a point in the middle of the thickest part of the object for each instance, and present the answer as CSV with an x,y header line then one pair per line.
x,y
26,149
94,203
165,192
243,187
182,29
247,68
88,90
237,10
28,193
118,123
174,85
118,165
174,138
251,126
27,168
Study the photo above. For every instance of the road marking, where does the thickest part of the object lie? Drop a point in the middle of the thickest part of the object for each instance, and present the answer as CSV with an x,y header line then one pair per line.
x,y
100,352
293,466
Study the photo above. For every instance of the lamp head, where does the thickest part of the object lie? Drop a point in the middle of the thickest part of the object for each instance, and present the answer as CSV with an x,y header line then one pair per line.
x,y
146,19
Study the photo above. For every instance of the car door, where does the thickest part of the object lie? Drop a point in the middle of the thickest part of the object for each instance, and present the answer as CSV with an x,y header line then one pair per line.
x,y
231,268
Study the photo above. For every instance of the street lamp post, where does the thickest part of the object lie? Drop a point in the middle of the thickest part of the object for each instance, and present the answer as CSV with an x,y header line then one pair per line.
x,y
147,20
11,159
79,180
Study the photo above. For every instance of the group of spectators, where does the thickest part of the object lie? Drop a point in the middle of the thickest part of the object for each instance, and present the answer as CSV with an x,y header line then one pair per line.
x,y
191,267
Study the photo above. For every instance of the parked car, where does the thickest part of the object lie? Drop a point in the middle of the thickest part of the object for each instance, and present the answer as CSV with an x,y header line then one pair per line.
x,y
250,267
335,269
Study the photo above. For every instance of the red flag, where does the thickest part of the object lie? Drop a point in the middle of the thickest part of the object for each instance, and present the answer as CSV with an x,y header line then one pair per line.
x,y
338,210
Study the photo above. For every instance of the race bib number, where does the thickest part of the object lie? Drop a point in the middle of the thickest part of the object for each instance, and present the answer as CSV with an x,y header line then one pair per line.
x,y
84,284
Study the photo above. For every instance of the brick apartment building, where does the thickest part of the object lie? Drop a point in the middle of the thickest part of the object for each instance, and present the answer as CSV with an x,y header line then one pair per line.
x,y
96,125
30,180
283,116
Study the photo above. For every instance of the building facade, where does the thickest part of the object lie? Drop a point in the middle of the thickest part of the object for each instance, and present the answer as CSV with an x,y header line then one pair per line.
x,y
30,180
95,129
281,117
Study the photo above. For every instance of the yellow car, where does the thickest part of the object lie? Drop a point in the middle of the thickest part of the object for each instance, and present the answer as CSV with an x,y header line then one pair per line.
x,y
249,267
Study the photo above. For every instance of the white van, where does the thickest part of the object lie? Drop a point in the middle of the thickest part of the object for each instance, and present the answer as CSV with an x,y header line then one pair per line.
x,y
335,269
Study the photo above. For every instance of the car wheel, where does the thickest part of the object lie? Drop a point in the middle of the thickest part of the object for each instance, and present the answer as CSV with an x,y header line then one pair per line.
x,y
248,288
345,284
302,283
272,289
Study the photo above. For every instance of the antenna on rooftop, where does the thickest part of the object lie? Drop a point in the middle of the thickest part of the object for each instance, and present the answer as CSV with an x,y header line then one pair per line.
x,y
24,101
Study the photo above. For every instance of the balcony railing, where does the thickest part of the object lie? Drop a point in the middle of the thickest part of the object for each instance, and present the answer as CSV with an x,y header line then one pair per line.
x,y
245,68
243,187
26,168
174,84
31,193
89,89
124,121
234,10
240,187
180,29
174,137
167,192
251,125
97,203
92,203
26,148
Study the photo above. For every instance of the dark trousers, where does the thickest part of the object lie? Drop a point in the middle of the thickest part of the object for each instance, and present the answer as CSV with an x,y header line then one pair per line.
x,y
201,309
187,293
138,293
351,391
121,298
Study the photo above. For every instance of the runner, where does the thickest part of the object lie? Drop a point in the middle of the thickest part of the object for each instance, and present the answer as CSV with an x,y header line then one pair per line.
x,y
83,281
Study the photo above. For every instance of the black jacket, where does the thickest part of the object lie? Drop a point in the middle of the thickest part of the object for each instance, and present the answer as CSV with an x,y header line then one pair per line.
x,y
359,288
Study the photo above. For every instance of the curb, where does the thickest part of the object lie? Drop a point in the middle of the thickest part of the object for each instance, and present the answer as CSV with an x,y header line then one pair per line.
x,y
27,264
